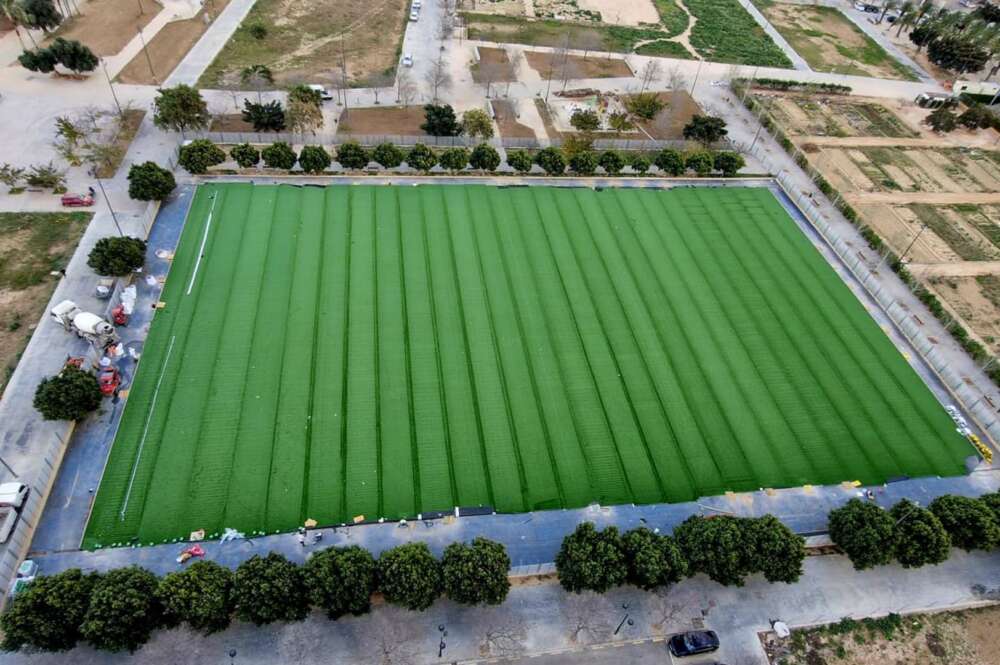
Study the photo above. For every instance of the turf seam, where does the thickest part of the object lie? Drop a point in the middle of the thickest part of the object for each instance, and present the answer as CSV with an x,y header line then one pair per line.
x,y
408,367
348,217
377,355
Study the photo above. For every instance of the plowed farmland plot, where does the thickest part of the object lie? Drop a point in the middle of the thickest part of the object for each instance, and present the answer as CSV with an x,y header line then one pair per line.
x,y
383,351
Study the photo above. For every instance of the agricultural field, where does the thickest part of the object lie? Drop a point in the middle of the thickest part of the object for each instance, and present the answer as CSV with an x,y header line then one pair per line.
x,y
32,245
829,41
838,116
725,32
378,351
303,42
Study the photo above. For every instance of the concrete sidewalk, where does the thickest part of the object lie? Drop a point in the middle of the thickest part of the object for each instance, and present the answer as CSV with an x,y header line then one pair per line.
x,y
210,43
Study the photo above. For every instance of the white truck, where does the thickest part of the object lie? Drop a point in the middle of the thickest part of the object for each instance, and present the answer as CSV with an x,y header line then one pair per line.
x,y
12,496
83,324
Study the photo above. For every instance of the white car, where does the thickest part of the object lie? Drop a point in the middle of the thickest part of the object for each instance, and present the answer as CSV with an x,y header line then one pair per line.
x,y
323,92
860,6
416,4
414,15
408,60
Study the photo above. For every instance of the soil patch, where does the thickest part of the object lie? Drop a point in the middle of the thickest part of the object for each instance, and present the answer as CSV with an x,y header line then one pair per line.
x,y
494,66
106,26
575,66
976,300
382,121
506,119
669,123
125,132
634,12
230,122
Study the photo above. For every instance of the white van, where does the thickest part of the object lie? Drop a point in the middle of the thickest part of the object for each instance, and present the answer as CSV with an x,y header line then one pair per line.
x,y
12,495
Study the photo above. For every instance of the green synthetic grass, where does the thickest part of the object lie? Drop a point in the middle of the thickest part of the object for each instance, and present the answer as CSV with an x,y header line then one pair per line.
x,y
382,351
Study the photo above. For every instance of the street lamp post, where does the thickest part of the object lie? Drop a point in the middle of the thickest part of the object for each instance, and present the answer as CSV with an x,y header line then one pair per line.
x,y
149,61
114,217
625,619
110,85
902,258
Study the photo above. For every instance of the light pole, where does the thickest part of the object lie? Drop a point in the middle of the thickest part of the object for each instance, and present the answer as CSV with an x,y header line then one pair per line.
x,y
113,95
696,74
902,258
625,619
114,217
148,60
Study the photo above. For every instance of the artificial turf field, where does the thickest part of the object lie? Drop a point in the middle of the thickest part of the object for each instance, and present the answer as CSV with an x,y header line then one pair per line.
x,y
383,351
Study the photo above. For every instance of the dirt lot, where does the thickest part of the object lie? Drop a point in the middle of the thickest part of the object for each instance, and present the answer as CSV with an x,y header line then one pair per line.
x,y
829,41
305,40
971,637
575,66
507,121
834,115
168,48
383,121
494,66
634,12
31,246
106,26
229,122
669,123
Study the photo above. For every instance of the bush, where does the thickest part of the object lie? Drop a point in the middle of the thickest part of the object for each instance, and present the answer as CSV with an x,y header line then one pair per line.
x,y
388,155
865,532
970,522
585,120
646,105
352,156
551,160
279,155
150,182
266,117
439,120
477,573
69,395
591,560
268,589
314,159
196,157
583,163
640,163
715,547
341,580
46,616
201,595
652,560
484,158
421,158
705,129
699,161
117,255
611,161
942,120
519,160
245,155
729,162
454,159
670,161
257,30
123,610
410,576
920,536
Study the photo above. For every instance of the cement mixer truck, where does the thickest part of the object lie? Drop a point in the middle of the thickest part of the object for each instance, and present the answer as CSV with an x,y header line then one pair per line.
x,y
89,326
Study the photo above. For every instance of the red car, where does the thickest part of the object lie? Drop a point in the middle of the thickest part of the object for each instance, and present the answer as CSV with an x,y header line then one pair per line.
x,y
109,379
77,200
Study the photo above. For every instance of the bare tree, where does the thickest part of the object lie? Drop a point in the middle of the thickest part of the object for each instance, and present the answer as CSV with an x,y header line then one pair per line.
x,y
587,617
392,638
588,41
676,78
438,77
516,57
649,73
492,71
378,81
505,636
446,26
406,89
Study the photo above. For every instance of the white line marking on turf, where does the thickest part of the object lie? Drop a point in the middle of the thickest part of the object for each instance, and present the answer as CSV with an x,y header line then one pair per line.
x,y
201,250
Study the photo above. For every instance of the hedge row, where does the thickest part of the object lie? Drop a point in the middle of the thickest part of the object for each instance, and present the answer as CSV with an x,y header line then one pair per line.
x,y
198,156
795,86
119,610
961,336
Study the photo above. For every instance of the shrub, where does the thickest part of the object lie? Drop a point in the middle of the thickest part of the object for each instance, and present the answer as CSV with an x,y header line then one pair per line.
x,y
265,117
591,560
439,120
69,395
646,105
476,573
699,161
341,580
865,532
410,576
314,159
475,122
46,176
652,560
278,155
970,522
920,536
583,163
729,162
388,155
551,160
454,159
611,161
705,129
585,120
421,158
519,160
268,589
942,120
46,616
200,154
201,595
257,30
484,158
714,547
245,155
639,162
117,255
670,161
150,182
352,156
123,610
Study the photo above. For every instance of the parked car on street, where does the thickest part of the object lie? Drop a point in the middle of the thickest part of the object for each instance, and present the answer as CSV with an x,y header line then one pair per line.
x,y
324,94
693,642
414,15
408,60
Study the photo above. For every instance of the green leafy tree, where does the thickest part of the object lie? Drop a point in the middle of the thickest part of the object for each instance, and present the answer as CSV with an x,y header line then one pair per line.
x,y
409,576
39,60
729,162
865,532
585,120
476,123
977,116
484,158
942,120
341,580
314,159
123,611
245,155
11,175
150,182
583,163
180,108
705,129
421,158
46,615
46,176
715,547
73,55
699,161
200,595
923,35
41,14
278,155
775,550
969,522
957,53
198,155
670,161
388,155
268,117
652,560
69,395
992,501
268,589
646,105
117,255
920,537
551,160
439,120
352,156
612,162
591,560
519,160
639,162
477,573
454,159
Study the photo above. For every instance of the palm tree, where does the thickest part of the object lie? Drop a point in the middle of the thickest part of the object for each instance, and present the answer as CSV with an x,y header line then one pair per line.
x,y
257,75
907,19
886,6
18,16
